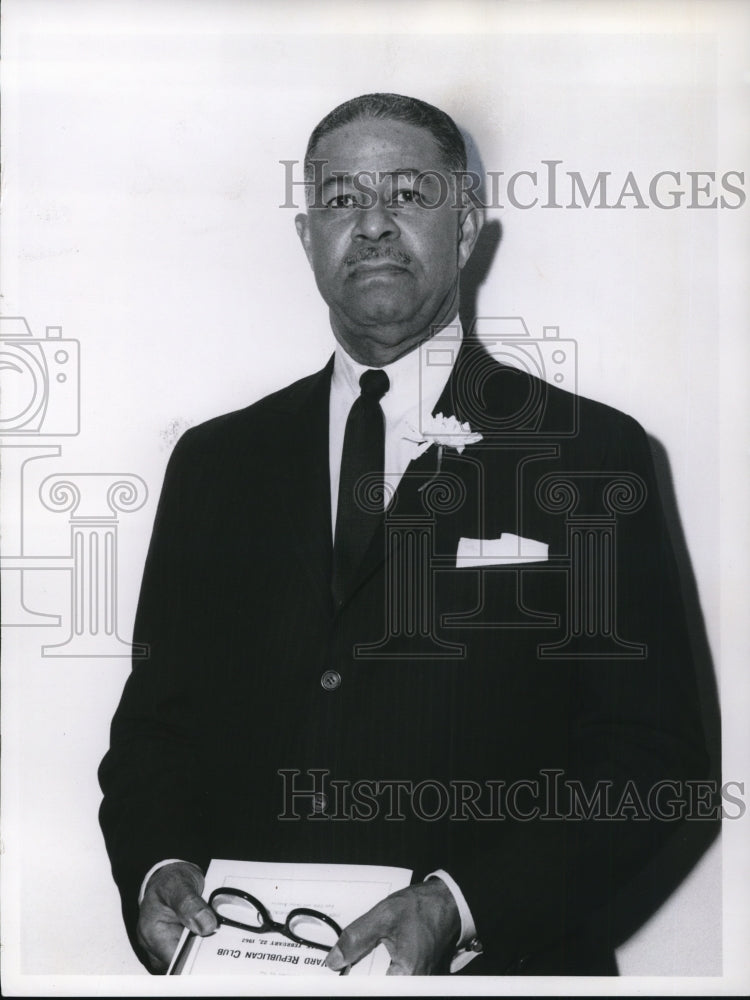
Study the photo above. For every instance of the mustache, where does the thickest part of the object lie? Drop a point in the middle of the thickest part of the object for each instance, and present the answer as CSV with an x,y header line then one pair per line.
x,y
378,253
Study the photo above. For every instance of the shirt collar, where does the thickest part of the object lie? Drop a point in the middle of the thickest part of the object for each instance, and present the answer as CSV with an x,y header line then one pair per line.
x,y
416,379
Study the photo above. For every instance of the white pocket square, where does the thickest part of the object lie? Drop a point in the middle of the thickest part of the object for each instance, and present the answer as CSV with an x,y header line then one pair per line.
x,y
502,551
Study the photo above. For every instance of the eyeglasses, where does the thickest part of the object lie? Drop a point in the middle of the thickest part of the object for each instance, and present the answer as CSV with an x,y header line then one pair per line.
x,y
237,908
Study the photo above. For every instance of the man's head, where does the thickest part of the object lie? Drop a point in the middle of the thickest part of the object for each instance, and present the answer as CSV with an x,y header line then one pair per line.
x,y
388,229
394,108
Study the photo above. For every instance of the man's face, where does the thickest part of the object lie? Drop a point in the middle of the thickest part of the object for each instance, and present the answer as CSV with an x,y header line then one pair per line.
x,y
385,247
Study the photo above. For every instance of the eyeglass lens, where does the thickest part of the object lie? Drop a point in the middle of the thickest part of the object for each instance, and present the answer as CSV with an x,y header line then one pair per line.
x,y
305,927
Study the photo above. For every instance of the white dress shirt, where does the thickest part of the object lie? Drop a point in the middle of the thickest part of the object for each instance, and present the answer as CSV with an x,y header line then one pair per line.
x,y
416,382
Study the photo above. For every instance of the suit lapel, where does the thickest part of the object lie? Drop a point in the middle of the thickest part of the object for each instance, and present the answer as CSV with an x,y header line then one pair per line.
x,y
407,502
305,476
304,495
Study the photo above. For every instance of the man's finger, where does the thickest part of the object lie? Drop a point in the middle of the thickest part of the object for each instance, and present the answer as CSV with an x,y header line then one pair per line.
x,y
178,886
157,962
400,965
158,947
153,958
397,969
359,938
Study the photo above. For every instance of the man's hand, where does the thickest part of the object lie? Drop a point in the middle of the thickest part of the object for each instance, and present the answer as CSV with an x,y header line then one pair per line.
x,y
172,901
419,926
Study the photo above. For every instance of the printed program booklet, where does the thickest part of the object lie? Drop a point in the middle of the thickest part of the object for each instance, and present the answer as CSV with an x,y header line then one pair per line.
x,y
339,892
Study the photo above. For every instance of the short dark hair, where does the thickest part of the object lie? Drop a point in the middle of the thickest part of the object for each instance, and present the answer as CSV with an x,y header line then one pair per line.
x,y
395,107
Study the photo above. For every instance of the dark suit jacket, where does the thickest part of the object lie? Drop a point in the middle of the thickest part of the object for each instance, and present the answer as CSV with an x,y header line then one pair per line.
x,y
467,678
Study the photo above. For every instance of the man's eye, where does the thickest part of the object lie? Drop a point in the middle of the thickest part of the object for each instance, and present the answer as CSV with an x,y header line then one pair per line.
x,y
341,201
406,197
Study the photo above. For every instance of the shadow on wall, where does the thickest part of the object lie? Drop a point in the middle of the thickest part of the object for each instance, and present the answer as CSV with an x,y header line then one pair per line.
x,y
653,886
478,266
476,270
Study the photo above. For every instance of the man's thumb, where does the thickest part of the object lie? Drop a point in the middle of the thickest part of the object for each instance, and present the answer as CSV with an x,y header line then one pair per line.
x,y
356,941
335,959
197,915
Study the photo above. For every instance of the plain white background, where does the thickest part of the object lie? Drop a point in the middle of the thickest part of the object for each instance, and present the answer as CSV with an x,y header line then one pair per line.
x,y
141,196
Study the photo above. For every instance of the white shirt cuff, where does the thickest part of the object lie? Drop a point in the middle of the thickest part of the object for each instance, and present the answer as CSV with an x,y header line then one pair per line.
x,y
150,872
468,945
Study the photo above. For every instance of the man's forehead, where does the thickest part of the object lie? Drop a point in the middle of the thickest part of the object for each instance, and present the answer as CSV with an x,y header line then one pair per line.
x,y
381,145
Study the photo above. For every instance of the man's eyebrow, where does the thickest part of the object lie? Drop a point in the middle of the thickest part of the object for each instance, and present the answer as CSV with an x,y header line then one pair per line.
x,y
407,173
337,179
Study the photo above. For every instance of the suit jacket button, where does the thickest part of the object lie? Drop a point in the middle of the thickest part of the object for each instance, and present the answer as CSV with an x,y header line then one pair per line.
x,y
330,680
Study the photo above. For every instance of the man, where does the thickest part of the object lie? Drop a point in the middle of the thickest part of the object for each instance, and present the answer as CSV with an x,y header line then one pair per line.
x,y
342,586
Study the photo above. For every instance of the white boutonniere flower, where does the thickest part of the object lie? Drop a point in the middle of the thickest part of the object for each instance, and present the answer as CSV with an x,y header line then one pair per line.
x,y
445,432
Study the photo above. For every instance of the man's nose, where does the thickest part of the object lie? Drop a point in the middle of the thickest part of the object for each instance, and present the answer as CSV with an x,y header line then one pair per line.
x,y
376,222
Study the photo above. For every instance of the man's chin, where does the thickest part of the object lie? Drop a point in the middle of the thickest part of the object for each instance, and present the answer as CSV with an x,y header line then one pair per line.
x,y
377,304
385,325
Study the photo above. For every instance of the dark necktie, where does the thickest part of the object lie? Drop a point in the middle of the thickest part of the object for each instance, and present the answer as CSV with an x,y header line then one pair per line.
x,y
363,455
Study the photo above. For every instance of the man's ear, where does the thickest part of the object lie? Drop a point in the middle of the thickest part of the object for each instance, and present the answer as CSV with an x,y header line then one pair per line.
x,y
469,228
302,225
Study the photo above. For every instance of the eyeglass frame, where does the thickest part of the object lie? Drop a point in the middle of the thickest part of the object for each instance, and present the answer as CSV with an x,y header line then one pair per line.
x,y
269,924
